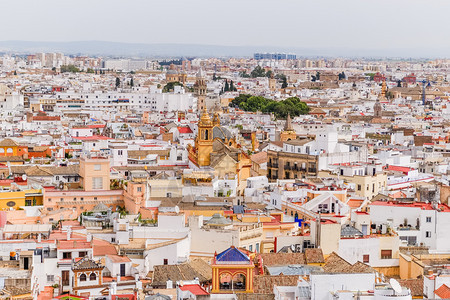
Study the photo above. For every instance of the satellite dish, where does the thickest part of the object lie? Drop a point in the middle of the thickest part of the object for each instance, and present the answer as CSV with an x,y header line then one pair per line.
x,y
395,285
24,177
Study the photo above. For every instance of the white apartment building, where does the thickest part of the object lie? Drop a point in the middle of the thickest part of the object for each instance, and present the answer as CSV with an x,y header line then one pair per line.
x,y
417,223
143,100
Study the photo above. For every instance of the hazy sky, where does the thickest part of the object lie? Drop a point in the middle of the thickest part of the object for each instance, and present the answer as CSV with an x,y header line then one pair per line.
x,y
285,23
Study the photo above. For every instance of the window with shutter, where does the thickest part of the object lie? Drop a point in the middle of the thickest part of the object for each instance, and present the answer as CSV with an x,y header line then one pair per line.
x,y
386,254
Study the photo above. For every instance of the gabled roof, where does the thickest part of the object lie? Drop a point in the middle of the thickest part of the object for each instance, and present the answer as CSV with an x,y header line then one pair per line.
x,y
195,289
187,271
232,254
37,171
443,292
218,219
314,256
282,259
8,143
259,158
263,284
86,263
118,258
336,264
186,129
350,231
415,285
101,207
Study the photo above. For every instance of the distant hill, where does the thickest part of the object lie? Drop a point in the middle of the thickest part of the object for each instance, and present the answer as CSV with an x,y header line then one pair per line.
x,y
101,48
132,49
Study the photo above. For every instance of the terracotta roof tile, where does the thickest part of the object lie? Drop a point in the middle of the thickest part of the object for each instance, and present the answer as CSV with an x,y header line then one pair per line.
x,y
263,284
415,285
443,292
281,259
336,264
314,256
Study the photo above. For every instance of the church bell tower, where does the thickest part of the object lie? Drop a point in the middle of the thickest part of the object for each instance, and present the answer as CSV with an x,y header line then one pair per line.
x,y
204,139
200,90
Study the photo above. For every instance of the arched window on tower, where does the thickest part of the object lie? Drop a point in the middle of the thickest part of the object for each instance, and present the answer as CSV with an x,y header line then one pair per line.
x,y
92,276
206,134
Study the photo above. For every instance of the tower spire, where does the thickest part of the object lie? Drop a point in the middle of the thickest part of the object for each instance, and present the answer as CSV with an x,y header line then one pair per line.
x,y
288,124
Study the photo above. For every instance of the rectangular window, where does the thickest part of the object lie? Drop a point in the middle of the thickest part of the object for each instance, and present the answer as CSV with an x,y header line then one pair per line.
x,y
166,261
139,189
365,258
250,247
97,167
386,254
97,183
120,152
428,219
67,255
359,187
82,254
50,278
428,234
27,202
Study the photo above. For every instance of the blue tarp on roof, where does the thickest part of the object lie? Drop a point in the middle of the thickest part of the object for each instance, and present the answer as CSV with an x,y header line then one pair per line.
x,y
238,209
232,254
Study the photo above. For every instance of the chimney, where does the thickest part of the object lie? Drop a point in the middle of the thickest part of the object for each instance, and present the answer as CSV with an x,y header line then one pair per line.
x,y
88,237
113,288
39,238
169,284
69,233
138,284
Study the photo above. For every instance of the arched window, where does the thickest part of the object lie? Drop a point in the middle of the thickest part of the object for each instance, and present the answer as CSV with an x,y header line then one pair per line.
x,y
9,150
92,276
206,134
83,277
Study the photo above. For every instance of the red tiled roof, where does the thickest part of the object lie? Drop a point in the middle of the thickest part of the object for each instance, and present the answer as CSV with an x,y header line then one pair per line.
x,y
102,248
91,138
194,289
184,130
122,278
421,205
443,292
117,258
74,244
399,169
46,118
